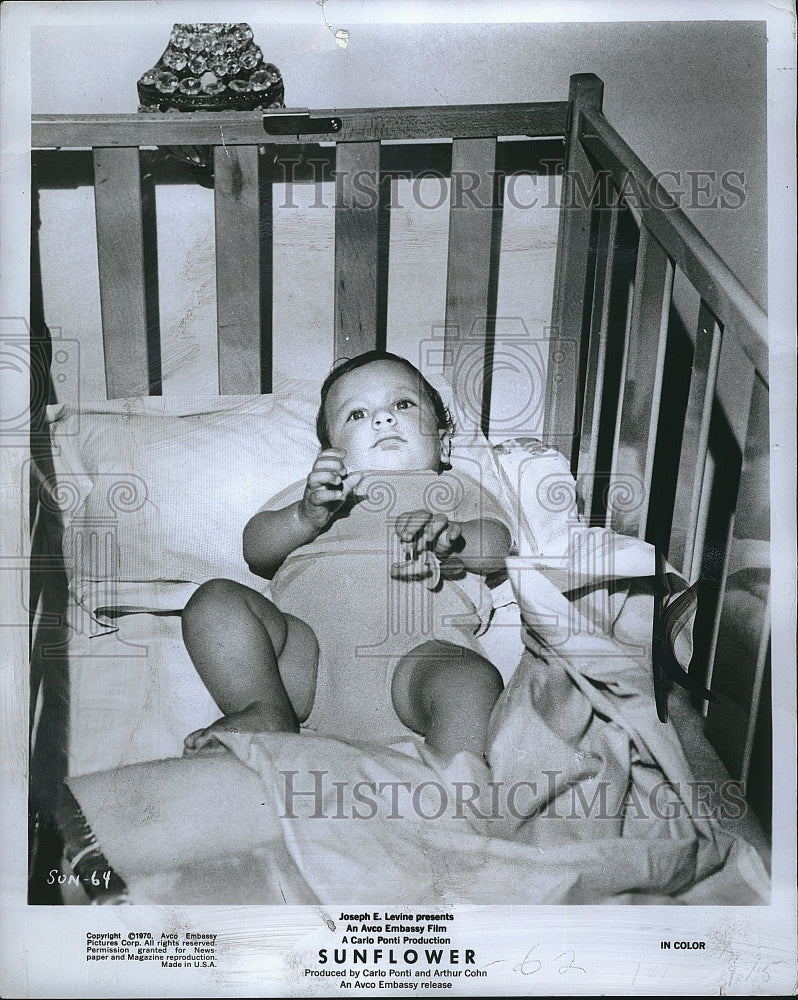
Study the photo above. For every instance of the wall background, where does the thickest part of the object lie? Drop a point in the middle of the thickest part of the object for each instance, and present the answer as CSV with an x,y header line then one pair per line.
x,y
685,95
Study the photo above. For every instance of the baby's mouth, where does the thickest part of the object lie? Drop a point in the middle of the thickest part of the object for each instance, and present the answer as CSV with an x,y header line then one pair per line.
x,y
388,440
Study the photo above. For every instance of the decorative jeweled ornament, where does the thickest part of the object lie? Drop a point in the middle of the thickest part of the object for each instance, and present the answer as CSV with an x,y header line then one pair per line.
x,y
210,67
239,79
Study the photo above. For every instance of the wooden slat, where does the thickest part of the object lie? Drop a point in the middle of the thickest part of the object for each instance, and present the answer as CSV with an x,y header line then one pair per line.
x,y
727,298
596,359
468,271
717,285
357,169
758,677
695,438
734,392
120,255
742,629
266,198
545,118
641,390
236,206
149,221
572,278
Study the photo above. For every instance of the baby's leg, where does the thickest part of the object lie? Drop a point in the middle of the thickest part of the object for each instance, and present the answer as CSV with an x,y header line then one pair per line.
x,y
258,664
158,815
447,693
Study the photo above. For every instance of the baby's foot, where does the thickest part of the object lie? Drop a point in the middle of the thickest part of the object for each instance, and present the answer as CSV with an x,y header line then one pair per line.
x,y
251,719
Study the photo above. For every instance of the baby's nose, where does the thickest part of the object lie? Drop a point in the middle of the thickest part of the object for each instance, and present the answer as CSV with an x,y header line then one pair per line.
x,y
384,418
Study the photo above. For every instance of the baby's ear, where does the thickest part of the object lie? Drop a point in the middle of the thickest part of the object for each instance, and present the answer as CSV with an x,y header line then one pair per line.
x,y
446,446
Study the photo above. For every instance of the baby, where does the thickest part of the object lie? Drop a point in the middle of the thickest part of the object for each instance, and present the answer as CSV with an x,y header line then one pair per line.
x,y
377,571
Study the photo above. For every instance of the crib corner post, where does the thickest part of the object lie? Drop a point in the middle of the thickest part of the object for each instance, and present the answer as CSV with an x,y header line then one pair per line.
x,y
585,90
572,291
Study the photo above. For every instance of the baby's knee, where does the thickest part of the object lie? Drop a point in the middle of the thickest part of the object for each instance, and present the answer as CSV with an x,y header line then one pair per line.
x,y
212,593
474,675
211,602
438,678
466,687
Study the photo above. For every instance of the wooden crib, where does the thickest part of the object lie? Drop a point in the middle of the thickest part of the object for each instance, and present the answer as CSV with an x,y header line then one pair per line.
x,y
657,378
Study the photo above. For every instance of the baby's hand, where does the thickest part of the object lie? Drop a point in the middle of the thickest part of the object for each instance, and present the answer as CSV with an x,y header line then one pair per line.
x,y
327,488
422,531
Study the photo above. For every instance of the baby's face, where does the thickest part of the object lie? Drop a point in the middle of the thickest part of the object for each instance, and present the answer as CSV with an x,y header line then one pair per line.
x,y
381,417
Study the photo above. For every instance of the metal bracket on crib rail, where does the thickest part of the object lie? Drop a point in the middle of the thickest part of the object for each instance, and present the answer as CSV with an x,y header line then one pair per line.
x,y
668,622
297,121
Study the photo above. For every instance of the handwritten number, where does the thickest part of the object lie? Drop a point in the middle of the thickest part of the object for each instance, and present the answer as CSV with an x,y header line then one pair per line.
x,y
570,965
524,967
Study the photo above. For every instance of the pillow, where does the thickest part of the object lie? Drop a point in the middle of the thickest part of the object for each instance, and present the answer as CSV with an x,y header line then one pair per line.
x,y
540,485
154,492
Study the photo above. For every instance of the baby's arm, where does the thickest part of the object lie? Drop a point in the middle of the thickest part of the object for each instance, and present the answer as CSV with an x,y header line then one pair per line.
x,y
479,546
272,535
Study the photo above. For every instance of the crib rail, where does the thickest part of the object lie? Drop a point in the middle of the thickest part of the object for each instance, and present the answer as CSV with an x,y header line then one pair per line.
x,y
685,468
243,223
246,128
679,238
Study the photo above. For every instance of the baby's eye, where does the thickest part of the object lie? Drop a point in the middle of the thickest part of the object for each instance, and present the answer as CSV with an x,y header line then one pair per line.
x,y
356,415
404,404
